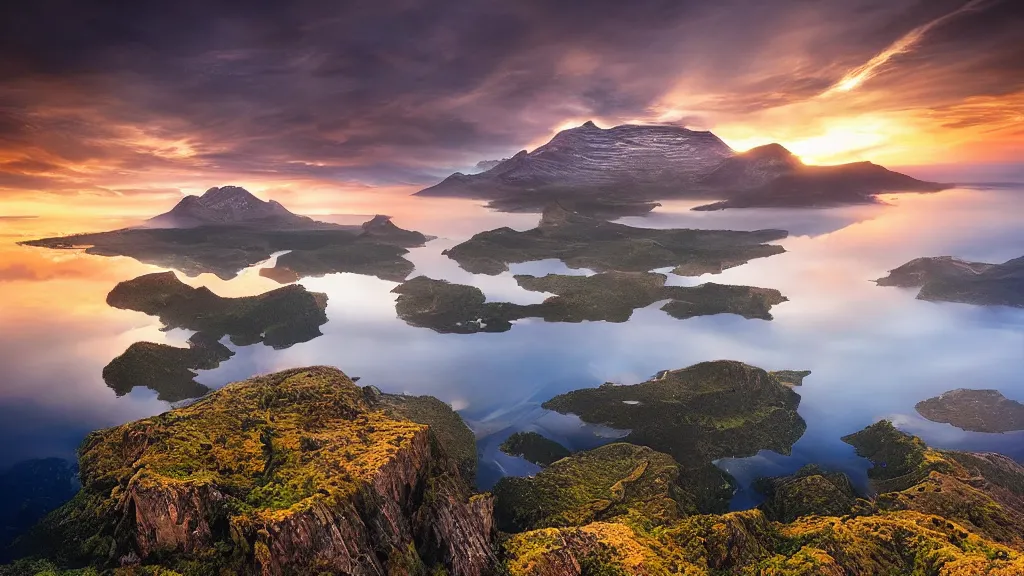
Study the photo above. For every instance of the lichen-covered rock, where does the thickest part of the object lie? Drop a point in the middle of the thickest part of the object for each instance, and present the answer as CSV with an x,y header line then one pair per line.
x,y
295,472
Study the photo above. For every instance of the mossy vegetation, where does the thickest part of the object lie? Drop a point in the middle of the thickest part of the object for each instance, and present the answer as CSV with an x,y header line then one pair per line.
x,y
584,242
811,491
535,448
802,530
279,318
610,296
447,426
698,414
601,484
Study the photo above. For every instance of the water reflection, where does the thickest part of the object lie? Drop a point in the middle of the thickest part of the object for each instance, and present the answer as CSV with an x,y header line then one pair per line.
x,y
874,352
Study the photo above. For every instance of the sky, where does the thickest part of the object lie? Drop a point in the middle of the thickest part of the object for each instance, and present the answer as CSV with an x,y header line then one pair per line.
x,y
120,107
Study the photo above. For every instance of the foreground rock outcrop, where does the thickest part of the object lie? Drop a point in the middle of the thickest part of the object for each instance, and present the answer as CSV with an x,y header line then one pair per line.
x,y
297,472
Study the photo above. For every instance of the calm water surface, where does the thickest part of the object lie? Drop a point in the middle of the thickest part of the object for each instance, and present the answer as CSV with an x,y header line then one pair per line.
x,y
874,351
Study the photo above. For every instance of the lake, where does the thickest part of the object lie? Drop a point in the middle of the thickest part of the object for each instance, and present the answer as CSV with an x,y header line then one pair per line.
x,y
874,352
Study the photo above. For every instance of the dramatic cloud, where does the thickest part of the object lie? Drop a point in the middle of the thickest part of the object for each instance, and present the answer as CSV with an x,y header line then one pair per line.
x,y
104,100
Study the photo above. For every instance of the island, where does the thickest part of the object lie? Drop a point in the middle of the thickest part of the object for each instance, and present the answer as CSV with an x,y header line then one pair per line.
x,y
583,242
616,510
697,414
302,472
635,165
167,370
974,410
948,279
227,229
279,318
534,448
610,296
809,491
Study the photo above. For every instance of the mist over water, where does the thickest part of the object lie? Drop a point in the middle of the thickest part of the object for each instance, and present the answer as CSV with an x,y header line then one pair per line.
x,y
874,352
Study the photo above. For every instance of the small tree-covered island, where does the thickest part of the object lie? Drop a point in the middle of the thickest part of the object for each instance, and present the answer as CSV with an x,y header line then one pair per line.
x,y
304,472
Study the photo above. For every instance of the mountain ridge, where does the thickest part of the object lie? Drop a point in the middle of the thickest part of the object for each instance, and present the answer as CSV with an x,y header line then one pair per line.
x,y
641,163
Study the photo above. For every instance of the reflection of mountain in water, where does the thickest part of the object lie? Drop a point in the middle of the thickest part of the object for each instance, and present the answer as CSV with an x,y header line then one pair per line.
x,y
279,318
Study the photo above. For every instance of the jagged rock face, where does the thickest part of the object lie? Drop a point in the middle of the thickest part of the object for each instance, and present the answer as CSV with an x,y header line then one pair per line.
x,y
588,156
296,472
228,205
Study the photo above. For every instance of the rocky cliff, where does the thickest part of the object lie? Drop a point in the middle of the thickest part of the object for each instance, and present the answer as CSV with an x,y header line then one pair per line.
x,y
298,472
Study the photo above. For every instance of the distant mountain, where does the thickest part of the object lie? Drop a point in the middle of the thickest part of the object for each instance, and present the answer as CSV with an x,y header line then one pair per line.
x,y
231,206
638,163
592,158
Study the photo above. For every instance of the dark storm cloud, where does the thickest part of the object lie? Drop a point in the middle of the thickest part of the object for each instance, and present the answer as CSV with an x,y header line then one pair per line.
x,y
396,91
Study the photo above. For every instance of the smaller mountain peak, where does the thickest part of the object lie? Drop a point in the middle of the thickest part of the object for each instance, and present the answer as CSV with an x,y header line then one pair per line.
x,y
589,124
